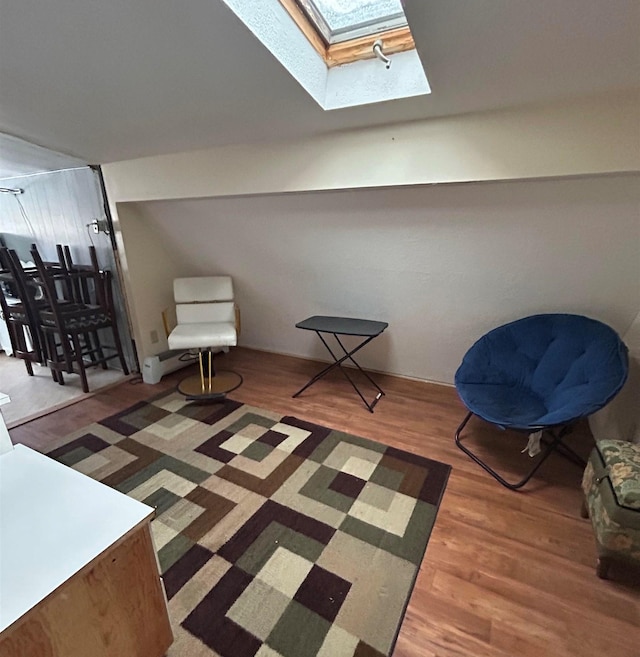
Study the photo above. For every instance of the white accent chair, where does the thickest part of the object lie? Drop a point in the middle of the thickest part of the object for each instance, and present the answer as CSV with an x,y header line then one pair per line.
x,y
207,319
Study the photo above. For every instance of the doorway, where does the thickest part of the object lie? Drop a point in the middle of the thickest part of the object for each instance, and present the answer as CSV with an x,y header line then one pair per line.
x,y
48,209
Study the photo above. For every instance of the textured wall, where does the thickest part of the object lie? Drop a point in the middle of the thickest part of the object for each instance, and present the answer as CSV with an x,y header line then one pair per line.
x,y
441,264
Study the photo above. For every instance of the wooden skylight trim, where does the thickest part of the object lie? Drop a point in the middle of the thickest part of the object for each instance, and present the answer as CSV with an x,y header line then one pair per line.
x,y
352,50
398,40
306,27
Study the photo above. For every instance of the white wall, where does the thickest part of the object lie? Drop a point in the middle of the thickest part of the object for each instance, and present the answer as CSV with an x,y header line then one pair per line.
x,y
461,258
441,264
620,419
149,266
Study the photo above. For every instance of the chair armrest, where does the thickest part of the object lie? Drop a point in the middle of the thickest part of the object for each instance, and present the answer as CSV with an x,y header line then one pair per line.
x,y
236,309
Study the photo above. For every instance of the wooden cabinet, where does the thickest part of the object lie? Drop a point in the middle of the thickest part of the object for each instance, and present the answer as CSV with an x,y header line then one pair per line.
x,y
78,571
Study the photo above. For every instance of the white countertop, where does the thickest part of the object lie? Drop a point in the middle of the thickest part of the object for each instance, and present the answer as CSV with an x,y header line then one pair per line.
x,y
53,522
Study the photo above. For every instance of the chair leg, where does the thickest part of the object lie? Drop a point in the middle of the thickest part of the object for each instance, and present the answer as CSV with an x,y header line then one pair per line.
x,y
82,371
118,345
36,343
201,372
65,346
94,340
49,347
550,447
19,344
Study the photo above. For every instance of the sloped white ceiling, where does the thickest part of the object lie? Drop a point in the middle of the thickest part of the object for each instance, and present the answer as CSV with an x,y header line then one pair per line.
x,y
107,81
20,158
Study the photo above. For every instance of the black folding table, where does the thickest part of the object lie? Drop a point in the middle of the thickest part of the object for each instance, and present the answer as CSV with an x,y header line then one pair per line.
x,y
338,326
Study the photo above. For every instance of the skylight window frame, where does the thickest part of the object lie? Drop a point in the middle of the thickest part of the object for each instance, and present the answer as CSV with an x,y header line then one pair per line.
x,y
353,48
392,23
374,26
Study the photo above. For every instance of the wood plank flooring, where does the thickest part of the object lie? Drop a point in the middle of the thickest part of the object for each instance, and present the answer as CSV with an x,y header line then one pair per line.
x,y
506,573
31,396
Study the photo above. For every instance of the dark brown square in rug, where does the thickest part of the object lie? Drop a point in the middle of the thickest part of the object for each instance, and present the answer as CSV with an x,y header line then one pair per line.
x,y
276,537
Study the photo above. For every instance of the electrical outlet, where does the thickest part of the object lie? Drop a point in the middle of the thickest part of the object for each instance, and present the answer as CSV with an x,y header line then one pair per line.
x,y
154,337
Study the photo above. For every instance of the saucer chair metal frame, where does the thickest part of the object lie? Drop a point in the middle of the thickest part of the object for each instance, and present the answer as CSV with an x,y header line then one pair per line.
x,y
540,373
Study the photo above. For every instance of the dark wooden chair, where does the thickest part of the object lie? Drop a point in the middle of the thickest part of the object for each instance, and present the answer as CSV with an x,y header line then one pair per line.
x,y
80,310
20,298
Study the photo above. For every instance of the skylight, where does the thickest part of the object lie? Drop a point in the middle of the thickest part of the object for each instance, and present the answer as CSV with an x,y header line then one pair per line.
x,y
356,70
344,20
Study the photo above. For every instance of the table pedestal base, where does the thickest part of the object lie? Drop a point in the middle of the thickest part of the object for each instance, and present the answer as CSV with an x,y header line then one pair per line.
x,y
210,387
215,390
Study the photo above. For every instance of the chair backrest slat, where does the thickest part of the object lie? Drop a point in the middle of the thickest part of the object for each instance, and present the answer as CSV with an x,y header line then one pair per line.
x,y
202,289
199,313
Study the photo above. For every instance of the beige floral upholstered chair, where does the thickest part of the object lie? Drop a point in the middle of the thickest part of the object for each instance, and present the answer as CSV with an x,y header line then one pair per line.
x,y
611,484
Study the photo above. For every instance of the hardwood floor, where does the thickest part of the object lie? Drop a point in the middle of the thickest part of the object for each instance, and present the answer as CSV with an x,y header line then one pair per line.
x,y
506,573
33,396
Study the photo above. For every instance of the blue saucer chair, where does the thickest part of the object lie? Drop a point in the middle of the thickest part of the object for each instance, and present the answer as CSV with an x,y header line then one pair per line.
x,y
541,374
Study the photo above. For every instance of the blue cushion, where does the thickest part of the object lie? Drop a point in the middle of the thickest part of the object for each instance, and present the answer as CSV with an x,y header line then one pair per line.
x,y
542,371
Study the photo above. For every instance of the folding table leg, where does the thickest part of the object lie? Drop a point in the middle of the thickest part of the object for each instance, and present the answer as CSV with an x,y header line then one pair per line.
x,y
337,362
349,355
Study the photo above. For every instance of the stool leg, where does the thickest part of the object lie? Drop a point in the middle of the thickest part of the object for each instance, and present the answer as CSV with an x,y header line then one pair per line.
x,y
602,567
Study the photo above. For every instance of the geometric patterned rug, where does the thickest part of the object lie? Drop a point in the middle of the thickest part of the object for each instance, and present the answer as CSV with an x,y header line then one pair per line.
x,y
276,537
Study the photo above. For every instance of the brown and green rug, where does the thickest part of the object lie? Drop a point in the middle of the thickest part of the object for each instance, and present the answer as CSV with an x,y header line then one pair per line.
x,y
276,537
